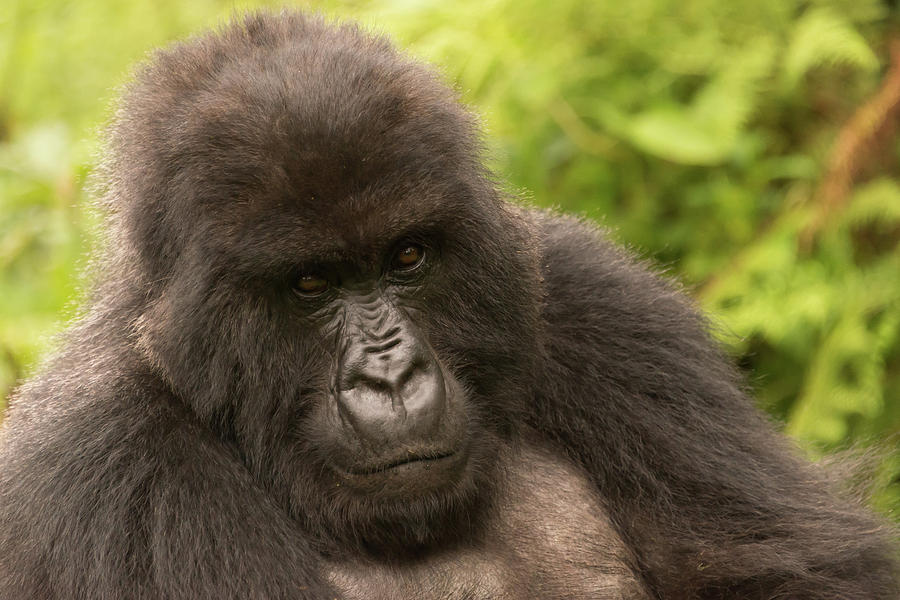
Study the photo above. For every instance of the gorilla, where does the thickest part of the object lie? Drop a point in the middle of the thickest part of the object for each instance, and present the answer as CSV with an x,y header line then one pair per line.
x,y
324,357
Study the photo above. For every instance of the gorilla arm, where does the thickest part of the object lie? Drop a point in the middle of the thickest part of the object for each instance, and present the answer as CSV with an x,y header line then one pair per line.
x,y
715,502
165,509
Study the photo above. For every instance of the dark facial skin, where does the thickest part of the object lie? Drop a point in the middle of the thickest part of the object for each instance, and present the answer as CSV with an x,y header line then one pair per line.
x,y
389,403
392,425
324,357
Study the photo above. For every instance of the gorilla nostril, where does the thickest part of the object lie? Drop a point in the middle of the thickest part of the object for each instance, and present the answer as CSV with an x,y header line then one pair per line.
x,y
382,347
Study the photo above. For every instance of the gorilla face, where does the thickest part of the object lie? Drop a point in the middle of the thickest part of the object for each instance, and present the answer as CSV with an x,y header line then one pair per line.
x,y
394,423
337,287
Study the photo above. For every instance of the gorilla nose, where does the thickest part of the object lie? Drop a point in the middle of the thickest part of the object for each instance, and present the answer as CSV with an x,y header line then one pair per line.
x,y
391,393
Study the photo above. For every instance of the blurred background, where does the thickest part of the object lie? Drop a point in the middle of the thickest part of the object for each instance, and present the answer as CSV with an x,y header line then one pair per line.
x,y
749,147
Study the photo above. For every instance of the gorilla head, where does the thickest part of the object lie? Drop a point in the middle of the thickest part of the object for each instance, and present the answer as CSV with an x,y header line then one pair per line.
x,y
334,282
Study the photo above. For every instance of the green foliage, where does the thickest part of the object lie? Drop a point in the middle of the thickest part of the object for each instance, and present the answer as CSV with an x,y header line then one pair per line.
x,y
822,37
699,132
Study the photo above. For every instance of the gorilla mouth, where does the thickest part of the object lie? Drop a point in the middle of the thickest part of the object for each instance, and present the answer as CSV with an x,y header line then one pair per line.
x,y
406,476
406,460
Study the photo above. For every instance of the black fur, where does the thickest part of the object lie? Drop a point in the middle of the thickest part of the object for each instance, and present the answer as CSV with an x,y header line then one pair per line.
x,y
174,447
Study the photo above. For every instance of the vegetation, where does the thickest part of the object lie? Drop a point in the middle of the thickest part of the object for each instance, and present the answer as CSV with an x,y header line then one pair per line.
x,y
750,147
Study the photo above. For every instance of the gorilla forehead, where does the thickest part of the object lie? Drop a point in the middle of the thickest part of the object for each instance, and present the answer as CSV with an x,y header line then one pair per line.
x,y
292,127
327,234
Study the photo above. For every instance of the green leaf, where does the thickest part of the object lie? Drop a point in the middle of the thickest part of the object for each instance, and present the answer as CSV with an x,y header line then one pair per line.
x,y
707,130
824,38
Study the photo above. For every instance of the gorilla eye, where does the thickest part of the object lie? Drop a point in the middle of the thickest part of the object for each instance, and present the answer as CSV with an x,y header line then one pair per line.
x,y
311,285
408,257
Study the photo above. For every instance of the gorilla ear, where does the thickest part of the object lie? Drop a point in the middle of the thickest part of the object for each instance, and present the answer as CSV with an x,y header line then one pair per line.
x,y
157,333
181,329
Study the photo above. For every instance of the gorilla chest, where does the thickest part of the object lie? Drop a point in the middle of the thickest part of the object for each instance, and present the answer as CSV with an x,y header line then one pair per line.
x,y
549,538
566,574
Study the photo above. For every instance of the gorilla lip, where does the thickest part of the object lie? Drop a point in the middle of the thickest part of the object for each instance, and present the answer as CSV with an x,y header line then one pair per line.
x,y
383,468
406,476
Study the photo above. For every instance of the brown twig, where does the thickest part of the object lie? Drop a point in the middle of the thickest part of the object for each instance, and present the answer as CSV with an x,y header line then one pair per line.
x,y
859,139
866,132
